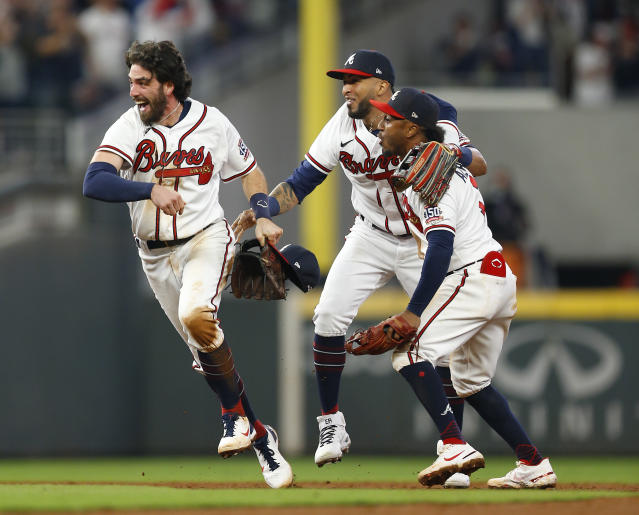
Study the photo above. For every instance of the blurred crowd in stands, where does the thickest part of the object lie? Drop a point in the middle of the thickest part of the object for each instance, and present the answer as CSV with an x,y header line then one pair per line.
x,y
68,53
587,50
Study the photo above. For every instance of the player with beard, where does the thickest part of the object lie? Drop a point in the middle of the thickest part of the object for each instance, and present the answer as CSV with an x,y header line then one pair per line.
x,y
379,245
166,158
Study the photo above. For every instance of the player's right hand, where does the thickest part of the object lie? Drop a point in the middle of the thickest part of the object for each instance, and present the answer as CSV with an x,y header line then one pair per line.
x,y
267,230
245,220
168,200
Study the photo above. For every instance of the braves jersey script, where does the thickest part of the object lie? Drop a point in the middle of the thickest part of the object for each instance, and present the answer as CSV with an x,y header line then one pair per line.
x,y
460,211
347,141
191,157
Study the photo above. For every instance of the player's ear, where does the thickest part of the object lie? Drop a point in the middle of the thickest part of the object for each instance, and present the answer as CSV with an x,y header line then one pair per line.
x,y
168,88
382,87
411,130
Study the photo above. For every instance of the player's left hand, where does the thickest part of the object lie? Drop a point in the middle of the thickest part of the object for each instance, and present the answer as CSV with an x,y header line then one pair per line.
x,y
266,229
245,220
387,335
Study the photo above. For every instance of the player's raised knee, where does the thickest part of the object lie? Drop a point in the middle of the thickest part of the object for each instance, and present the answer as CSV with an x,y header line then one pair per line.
x,y
204,328
329,321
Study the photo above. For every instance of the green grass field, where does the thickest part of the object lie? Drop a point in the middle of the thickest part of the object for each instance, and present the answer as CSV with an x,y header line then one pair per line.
x,y
130,483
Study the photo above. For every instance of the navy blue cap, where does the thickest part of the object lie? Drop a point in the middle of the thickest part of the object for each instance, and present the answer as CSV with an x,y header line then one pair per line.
x,y
366,63
411,104
300,266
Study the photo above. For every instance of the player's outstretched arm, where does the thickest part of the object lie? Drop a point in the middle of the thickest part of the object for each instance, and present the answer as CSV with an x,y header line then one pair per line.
x,y
281,200
477,166
102,182
254,185
285,197
471,158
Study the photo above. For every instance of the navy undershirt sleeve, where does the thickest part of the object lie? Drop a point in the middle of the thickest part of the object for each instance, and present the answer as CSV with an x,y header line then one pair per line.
x,y
102,182
446,110
436,262
305,179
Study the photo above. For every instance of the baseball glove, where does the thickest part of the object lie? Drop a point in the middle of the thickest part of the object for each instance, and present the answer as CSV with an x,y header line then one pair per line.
x,y
427,168
257,274
381,338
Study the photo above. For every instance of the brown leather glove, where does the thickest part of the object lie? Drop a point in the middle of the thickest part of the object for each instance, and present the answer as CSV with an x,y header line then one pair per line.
x,y
380,338
257,275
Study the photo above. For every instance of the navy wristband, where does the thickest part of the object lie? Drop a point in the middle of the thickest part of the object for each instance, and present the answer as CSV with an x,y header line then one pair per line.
x,y
273,206
466,156
259,205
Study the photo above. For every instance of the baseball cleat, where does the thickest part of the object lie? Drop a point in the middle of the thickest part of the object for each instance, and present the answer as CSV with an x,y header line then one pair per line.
x,y
527,476
454,458
457,480
238,435
275,469
334,441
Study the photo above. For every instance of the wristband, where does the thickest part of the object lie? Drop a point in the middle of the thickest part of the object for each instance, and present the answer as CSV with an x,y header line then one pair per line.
x,y
466,156
260,205
273,206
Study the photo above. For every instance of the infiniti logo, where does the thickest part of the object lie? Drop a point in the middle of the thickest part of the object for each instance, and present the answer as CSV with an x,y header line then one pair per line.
x,y
552,351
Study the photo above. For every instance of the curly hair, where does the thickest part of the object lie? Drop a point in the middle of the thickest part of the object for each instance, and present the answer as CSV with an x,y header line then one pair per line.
x,y
164,61
433,133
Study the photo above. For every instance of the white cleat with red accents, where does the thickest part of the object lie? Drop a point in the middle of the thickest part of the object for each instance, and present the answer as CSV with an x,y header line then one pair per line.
x,y
527,476
457,480
454,458
238,435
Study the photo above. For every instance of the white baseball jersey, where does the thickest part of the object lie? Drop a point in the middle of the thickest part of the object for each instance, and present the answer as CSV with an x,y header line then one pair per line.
x,y
469,316
461,211
192,157
347,141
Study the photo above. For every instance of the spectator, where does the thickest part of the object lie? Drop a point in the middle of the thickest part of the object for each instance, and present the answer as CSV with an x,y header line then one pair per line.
x,y
527,20
593,79
13,86
498,53
188,23
107,29
461,49
626,57
57,53
508,220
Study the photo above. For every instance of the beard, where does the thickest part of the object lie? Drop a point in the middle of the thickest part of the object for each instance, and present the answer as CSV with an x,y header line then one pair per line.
x,y
156,108
362,110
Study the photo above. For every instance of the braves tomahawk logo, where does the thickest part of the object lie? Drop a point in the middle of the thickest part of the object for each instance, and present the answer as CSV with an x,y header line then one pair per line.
x,y
148,158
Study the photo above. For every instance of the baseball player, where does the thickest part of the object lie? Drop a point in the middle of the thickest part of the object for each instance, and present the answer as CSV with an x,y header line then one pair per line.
x,y
166,157
462,306
379,245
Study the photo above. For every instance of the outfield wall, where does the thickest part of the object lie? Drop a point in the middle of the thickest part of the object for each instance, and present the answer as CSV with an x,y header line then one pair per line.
x,y
568,369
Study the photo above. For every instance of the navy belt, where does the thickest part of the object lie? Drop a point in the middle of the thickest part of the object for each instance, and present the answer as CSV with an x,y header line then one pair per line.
x,y
159,244
384,230
465,266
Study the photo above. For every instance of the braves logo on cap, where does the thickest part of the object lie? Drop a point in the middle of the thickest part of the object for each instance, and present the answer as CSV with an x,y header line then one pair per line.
x,y
350,60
